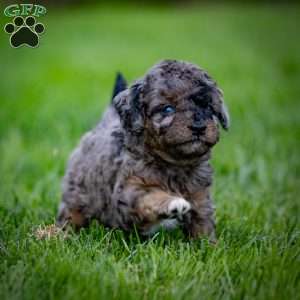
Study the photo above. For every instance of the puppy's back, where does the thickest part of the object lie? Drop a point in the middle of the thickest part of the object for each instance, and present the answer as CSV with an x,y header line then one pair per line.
x,y
93,167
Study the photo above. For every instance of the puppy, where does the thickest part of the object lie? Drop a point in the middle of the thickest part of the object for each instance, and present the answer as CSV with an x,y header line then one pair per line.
x,y
146,164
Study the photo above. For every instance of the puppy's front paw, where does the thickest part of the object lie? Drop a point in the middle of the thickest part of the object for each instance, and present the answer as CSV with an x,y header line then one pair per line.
x,y
178,208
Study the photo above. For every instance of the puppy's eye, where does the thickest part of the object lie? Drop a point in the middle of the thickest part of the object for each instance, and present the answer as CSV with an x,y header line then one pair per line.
x,y
168,110
200,99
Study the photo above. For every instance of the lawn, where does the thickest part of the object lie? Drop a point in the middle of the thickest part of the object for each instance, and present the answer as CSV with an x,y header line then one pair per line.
x,y
51,95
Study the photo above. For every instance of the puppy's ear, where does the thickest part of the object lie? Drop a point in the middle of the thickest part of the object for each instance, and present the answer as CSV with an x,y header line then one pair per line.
x,y
129,106
136,107
219,108
215,95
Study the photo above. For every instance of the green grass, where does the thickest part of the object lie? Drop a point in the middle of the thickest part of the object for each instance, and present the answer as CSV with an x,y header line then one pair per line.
x,y
51,95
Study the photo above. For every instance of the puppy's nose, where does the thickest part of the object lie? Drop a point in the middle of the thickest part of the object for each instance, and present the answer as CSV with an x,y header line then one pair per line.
x,y
198,127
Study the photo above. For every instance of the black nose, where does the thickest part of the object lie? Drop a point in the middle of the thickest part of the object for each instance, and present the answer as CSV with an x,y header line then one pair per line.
x,y
198,127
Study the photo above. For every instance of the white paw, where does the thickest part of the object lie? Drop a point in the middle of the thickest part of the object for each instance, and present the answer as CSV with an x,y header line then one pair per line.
x,y
178,207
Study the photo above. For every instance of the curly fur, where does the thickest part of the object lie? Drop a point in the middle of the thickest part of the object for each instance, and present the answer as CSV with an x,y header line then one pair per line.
x,y
144,167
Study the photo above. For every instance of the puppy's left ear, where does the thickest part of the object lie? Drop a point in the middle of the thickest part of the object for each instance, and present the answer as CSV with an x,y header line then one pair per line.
x,y
219,108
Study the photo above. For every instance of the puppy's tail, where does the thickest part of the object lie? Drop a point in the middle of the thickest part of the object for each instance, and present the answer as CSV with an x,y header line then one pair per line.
x,y
120,85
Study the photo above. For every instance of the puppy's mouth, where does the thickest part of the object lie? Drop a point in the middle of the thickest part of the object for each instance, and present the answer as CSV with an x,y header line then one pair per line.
x,y
193,141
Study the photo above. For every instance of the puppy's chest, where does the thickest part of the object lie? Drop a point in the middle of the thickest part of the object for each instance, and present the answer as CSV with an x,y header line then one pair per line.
x,y
186,185
176,181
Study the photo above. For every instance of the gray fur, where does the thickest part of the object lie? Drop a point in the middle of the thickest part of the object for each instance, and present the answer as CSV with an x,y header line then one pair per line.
x,y
128,169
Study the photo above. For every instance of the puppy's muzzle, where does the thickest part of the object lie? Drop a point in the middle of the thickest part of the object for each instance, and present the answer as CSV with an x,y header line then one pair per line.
x,y
199,125
198,128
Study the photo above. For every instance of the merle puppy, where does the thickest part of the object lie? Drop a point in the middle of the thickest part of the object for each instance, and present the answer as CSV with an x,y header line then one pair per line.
x,y
146,164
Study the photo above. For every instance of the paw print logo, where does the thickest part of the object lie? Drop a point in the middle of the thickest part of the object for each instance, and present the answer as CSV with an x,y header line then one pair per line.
x,y
24,31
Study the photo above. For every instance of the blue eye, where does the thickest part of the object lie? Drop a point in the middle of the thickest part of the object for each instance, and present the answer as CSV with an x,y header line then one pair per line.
x,y
168,110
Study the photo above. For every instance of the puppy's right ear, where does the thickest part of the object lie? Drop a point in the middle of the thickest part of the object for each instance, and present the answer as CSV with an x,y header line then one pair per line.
x,y
120,103
129,106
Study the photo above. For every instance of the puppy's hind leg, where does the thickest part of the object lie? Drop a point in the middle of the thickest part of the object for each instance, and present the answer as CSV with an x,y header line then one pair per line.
x,y
71,215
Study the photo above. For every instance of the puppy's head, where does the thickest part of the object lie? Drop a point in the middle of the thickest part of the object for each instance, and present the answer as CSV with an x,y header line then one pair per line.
x,y
173,112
